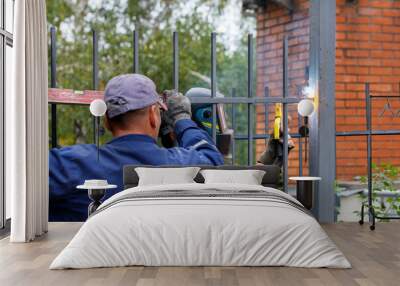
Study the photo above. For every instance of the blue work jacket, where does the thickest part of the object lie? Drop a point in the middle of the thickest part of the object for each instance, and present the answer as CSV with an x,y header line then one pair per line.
x,y
71,166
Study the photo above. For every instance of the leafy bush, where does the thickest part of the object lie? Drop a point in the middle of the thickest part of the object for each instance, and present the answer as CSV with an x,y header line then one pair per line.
x,y
383,179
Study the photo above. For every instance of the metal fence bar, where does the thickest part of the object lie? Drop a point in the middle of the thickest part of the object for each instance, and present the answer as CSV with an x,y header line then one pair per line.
x,y
95,80
249,95
384,96
244,100
262,136
135,52
369,145
53,84
366,132
95,66
233,127
300,148
175,49
285,115
266,112
213,84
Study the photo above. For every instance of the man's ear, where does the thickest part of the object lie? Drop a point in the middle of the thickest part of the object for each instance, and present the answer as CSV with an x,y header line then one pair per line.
x,y
107,123
153,116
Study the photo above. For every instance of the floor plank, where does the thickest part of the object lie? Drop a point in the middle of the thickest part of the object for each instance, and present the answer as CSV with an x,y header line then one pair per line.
x,y
375,257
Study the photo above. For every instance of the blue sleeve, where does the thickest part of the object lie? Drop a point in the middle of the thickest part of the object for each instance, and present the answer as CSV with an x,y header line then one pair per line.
x,y
200,148
64,170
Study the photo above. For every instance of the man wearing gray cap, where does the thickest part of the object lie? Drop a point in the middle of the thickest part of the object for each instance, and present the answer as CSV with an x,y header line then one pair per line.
x,y
134,118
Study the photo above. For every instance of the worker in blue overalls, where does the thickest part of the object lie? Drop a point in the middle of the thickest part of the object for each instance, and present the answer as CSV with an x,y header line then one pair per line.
x,y
134,117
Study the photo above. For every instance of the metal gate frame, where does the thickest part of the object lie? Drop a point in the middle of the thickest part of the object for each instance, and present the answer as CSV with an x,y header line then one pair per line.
x,y
250,100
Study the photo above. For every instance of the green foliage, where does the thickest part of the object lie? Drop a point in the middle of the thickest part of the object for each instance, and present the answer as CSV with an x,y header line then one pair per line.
x,y
155,20
383,179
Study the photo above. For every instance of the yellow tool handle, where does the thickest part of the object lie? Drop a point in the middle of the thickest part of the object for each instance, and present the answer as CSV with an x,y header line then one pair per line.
x,y
277,123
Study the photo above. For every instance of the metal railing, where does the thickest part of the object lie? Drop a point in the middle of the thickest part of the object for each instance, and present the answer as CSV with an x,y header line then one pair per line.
x,y
250,100
369,132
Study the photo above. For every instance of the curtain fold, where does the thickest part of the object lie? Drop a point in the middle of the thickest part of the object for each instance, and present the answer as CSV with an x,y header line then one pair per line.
x,y
27,124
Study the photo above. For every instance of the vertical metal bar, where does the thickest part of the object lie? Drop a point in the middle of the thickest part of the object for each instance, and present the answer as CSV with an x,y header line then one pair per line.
x,y
97,137
95,79
214,84
175,48
322,159
234,128
53,84
369,144
300,147
95,66
285,115
266,111
250,107
135,52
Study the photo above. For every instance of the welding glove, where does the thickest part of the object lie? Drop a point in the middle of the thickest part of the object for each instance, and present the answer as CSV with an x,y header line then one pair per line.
x,y
178,107
166,132
273,154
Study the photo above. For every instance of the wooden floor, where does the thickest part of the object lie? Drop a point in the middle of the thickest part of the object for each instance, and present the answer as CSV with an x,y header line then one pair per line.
x,y
375,257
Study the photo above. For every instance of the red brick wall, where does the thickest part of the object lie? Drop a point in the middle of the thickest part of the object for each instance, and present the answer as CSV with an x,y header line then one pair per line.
x,y
368,50
272,24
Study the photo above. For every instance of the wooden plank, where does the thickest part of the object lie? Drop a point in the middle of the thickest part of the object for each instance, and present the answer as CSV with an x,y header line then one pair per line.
x,y
69,96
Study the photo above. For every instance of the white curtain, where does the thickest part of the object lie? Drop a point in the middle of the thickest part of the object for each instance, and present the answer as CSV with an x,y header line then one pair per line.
x,y
26,124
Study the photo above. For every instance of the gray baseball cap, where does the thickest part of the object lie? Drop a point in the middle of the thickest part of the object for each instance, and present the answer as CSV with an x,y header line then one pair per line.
x,y
128,92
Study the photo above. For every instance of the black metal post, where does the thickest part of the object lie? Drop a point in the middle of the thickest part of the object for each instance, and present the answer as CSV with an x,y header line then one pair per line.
x,y
95,66
234,128
285,114
266,111
364,133
95,81
214,84
369,146
243,137
244,100
175,48
300,147
250,94
53,84
135,52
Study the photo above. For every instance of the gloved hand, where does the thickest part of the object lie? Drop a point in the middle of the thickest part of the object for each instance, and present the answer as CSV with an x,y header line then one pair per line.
x,y
265,158
273,153
178,107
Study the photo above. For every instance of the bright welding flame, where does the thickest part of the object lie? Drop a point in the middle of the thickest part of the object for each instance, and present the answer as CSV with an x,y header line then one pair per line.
x,y
308,91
